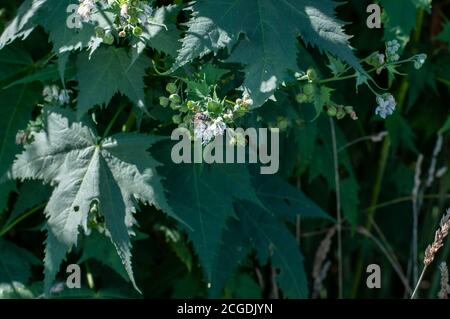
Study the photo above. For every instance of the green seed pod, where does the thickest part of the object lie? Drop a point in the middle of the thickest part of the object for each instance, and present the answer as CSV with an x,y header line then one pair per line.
x,y
108,38
282,123
308,89
332,111
340,113
190,104
171,88
175,106
133,20
176,119
163,101
301,98
99,32
175,98
137,31
348,109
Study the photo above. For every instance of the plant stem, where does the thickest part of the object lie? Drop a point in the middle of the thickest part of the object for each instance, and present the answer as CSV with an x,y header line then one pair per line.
x,y
401,200
418,282
114,119
89,276
10,226
129,123
372,208
338,207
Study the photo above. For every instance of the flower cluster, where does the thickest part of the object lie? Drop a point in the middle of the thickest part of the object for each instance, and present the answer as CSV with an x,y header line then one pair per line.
x,y
131,16
206,117
419,60
386,105
392,48
54,95
85,9
205,129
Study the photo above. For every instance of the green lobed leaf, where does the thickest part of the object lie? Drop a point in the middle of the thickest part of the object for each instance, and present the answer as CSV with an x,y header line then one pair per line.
x,y
15,263
15,112
270,44
109,71
116,172
203,196
24,22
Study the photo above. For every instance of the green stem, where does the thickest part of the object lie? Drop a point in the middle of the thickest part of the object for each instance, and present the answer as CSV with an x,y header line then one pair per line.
x,y
338,208
10,226
418,282
402,200
114,119
89,276
351,76
129,123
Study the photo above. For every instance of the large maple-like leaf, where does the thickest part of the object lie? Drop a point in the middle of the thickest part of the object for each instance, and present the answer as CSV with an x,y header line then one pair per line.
x,y
54,17
271,28
15,263
108,72
263,228
203,195
114,173
163,33
23,23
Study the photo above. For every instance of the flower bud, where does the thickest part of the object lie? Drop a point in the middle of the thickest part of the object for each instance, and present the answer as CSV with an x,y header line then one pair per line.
x,y
137,31
163,101
175,98
171,88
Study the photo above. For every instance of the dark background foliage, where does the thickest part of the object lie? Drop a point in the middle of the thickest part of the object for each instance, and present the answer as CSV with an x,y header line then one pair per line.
x,y
376,177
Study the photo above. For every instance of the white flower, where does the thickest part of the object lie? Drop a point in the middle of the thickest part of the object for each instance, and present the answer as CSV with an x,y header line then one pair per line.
x,y
206,131
85,9
386,105
50,93
246,100
63,97
218,127
381,59
228,115
124,11
419,60
392,48
199,129
202,132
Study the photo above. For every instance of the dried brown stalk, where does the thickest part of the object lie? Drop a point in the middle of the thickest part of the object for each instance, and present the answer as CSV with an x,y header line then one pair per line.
x,y
445,288
318,272
430,252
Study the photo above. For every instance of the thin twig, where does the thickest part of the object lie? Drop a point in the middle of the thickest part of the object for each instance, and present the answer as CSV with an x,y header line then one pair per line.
x,y
319,265
390,258
338,208
376,138
416,208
